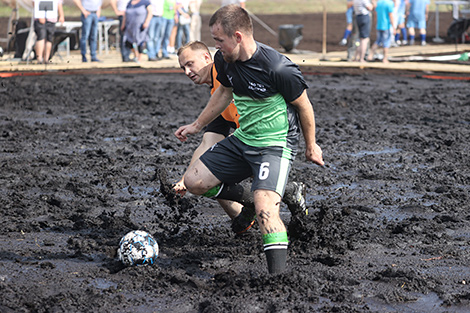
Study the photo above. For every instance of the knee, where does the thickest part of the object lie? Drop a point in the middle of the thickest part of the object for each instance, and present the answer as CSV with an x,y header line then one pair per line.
x,y
193,185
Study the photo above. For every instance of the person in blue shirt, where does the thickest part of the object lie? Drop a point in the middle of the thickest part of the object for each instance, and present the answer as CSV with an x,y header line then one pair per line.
x,y
349,23
417,12
385,27
401,37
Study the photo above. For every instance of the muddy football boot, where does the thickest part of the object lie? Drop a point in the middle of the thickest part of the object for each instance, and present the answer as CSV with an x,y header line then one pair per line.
x,y
295,199
243,221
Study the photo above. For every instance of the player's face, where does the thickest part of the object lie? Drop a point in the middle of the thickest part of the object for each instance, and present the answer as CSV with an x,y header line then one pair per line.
x,y
228,45
195,65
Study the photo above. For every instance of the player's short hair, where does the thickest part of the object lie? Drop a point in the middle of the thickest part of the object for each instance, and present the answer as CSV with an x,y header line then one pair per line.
x,y
232,18
194,46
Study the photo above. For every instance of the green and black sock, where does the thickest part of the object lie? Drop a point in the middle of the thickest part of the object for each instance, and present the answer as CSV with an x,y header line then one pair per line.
x,y
240,193
275,248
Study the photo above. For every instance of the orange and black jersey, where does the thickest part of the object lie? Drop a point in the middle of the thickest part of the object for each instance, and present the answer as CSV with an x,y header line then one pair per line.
x,y
230,114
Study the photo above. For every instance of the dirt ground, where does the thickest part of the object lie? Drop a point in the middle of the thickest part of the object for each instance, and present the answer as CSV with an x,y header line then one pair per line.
x,y
388,228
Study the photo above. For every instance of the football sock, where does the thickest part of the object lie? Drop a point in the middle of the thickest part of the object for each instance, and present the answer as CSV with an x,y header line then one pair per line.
x,y
275,248
240,193
347,32
422,37
397,36
404,34
213,192
412,38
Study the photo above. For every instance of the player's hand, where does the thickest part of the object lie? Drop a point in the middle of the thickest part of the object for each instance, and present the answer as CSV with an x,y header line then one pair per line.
x,y
315,154
183,132
179,188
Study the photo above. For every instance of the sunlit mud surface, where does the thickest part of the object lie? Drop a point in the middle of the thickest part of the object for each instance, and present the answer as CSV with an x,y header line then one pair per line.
x,y
388,227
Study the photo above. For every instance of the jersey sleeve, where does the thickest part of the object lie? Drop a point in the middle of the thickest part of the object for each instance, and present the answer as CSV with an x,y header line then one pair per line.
x,y
219,66
289,79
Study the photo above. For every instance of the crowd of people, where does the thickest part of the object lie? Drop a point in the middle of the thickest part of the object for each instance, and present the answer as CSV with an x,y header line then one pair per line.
x,y
156,27
396,21
159,27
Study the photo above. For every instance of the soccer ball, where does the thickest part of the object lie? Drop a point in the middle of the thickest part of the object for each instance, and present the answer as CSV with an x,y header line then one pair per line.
x,y
138,248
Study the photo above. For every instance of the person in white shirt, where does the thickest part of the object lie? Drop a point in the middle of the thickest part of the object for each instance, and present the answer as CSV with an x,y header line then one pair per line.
x,y
44,27
362,10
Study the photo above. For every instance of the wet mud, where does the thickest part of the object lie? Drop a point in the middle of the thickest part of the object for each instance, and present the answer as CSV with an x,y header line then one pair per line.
x,y
85,158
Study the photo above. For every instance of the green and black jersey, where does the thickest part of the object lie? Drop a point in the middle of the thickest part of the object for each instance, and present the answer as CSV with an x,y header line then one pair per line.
x,y
263,88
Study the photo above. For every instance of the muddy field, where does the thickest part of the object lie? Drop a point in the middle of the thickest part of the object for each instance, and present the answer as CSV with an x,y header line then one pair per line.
x,y
389,221
388,229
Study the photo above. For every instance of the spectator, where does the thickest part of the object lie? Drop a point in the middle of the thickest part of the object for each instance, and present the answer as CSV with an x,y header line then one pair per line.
x,y
91,11
172,41
239,2
417,12
155,32
44,27
362,10
400,23
184,21
167,25
385,25
119,7
135,27
349,23
195,26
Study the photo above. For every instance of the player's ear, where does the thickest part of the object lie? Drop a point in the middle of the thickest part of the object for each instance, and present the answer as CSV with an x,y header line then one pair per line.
x,y
207,57
238,36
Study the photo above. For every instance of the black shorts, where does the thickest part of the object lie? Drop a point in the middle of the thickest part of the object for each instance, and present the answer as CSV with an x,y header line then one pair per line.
x,y
220,126
232,161
44,31
364,24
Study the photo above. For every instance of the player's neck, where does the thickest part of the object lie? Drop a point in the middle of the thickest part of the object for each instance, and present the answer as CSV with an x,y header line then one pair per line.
x,y
208,74
248,48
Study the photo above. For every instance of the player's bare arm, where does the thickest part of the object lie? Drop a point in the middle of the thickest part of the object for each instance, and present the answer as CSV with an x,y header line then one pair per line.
x,y
218,102
313,151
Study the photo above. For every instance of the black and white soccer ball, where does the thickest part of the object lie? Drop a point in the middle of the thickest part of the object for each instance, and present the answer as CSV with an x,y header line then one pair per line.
x,y
138,248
